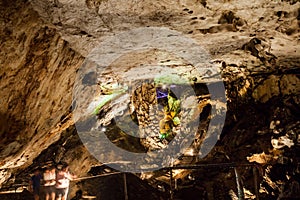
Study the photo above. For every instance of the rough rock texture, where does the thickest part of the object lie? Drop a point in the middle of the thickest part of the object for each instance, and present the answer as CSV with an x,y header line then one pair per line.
x,y
37,69
255,45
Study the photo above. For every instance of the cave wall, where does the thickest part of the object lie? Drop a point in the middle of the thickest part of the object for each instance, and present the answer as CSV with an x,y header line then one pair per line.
x,y
37,73
43,44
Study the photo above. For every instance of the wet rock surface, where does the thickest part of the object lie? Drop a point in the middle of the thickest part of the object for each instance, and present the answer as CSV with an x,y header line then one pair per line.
x,y
253,44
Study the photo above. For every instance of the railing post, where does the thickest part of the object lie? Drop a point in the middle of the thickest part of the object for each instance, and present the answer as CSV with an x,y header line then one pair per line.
x,y
171,186
255,182
125,187
240,189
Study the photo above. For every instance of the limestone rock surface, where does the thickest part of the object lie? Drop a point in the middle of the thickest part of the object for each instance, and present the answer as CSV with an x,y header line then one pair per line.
x,y
253,44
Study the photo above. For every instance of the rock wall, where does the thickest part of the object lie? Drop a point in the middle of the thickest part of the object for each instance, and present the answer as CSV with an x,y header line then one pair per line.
x,y
255,45
37,72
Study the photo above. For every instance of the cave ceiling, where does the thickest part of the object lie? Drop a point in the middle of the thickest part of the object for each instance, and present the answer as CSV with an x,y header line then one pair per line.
x,y
143,74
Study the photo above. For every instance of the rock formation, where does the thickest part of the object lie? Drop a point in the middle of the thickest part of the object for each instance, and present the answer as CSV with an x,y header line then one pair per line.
x,y
254,45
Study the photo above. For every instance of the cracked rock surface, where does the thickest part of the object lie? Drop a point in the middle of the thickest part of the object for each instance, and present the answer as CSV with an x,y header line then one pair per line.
x,y
253,45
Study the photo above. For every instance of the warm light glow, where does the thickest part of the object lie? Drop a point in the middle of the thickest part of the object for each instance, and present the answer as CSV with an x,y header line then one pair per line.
x,y
164,87
18,190
189,152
